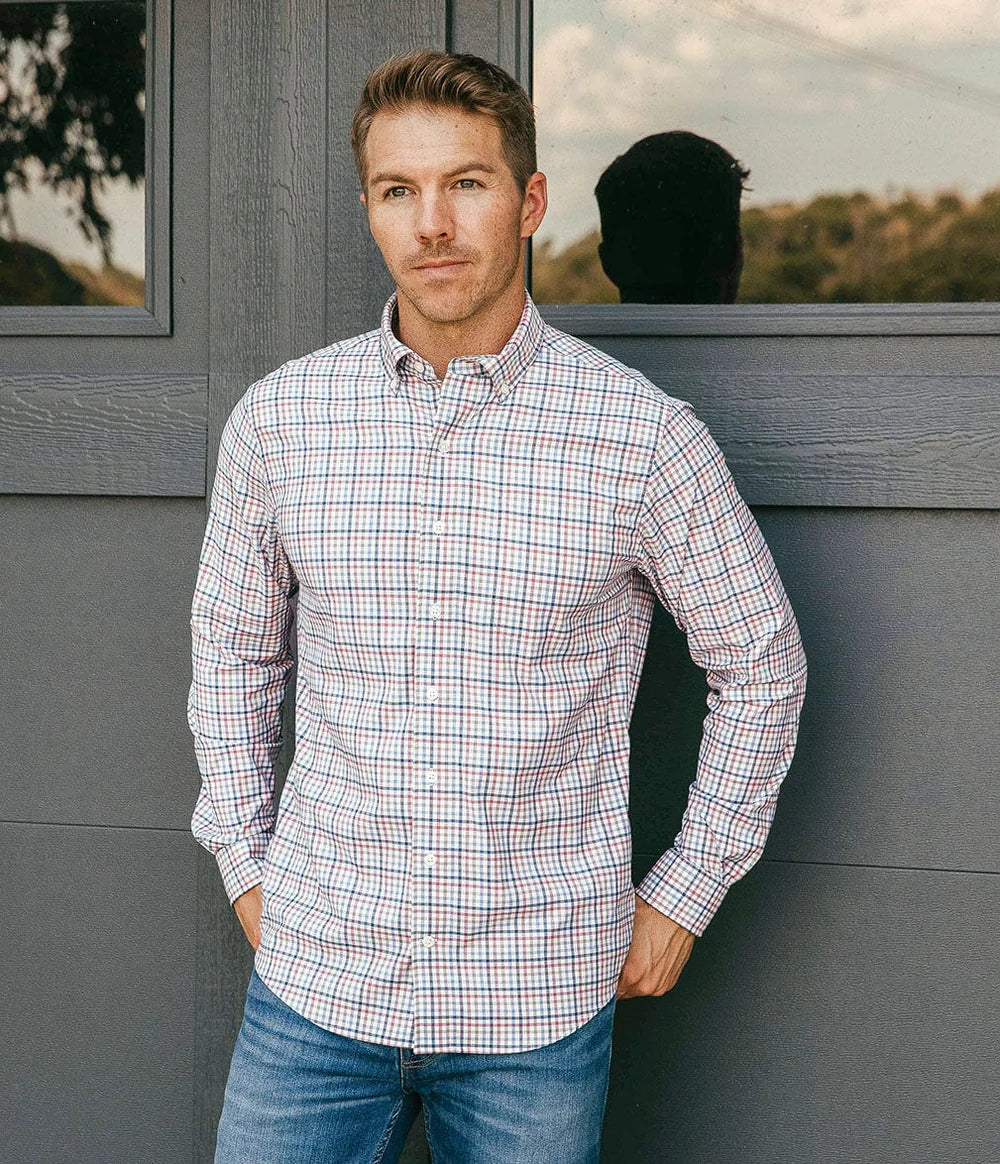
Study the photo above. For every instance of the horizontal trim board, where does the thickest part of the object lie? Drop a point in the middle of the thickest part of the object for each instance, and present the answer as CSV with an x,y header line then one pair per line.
x,y
833,439
791,439
736,319
141,435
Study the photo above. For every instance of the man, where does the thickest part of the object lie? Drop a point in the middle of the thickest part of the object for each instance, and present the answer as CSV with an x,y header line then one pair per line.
x,y
476,513
670,220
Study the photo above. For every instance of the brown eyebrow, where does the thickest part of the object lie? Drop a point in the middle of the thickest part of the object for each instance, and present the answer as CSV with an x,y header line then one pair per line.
x,y
478,167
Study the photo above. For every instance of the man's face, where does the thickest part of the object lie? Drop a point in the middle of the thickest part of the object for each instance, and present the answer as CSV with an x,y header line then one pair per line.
x,y
446,212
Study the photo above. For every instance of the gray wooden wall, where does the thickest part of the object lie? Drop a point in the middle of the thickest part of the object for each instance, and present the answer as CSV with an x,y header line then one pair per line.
x,y
841,1006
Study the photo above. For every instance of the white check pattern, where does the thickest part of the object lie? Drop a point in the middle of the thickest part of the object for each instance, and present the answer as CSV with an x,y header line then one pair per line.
x,y
477,564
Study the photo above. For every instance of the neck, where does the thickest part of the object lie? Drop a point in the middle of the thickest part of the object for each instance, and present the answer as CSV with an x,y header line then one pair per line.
x,y
483,334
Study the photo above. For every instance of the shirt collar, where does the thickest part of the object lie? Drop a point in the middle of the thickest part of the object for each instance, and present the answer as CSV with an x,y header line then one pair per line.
x,y
504,369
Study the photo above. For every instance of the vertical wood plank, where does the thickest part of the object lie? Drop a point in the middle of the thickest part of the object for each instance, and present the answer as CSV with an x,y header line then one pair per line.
x,y
360,37
268,304
499,30
268,203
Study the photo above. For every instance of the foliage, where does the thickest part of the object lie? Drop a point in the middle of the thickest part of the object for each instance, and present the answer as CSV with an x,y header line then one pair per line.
x,y
573,275
31,276
72,79
836,248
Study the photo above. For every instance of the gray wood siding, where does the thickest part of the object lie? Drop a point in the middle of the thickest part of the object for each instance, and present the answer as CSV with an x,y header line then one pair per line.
x,y
830,1014
896,762
840,421
143,434
96,604
97,1005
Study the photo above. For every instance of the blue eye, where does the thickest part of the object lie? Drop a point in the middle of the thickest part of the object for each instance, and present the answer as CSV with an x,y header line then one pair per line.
x,y
395,192
467,183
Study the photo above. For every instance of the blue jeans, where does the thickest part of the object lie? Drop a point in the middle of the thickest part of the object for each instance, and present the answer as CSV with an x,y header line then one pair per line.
x,y
299,1094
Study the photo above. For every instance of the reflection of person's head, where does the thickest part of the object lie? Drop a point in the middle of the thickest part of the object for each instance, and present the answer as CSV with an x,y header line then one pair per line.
x,y
670,220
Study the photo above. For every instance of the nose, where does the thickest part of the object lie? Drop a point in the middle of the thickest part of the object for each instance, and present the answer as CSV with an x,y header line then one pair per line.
x,y
434,220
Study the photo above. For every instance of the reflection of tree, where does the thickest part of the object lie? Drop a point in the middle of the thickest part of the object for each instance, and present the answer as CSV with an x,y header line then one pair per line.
x,y
835,248
72,80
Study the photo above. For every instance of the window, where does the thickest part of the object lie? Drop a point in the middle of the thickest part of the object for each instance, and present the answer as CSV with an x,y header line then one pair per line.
x,y
869,132
83,167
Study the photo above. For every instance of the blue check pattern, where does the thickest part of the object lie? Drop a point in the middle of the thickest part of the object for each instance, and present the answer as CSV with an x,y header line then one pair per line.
x,y
476,563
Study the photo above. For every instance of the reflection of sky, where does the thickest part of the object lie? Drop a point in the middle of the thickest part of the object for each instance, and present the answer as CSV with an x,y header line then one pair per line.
x,y
803,115
42,219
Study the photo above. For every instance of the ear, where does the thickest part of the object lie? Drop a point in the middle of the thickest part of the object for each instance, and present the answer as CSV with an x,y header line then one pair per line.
x,y
534,204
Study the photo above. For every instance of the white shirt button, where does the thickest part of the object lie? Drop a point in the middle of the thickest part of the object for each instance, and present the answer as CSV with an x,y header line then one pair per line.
x,y
444,445
434,610
430,859
431,694
431,777
427,941
438,527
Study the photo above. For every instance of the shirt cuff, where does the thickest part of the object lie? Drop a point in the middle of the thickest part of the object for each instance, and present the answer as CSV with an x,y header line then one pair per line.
x,y
240,868
682,891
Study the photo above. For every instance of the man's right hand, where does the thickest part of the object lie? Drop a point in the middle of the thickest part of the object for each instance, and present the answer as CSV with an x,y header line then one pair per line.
x,y
248,907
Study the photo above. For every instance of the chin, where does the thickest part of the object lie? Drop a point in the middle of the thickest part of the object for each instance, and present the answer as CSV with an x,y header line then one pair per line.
x,y
453,307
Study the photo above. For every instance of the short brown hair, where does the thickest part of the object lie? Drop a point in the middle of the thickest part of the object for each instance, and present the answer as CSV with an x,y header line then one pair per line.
x,y
452,80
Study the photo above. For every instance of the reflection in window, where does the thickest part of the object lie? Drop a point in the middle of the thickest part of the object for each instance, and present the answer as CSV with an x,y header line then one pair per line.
x,y
72,153
869,130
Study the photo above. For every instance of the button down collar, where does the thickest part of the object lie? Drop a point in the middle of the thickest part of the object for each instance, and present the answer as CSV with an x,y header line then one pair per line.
x,y
504,369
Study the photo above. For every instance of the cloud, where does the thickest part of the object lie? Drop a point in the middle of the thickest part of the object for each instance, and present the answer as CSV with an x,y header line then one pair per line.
x,y
583,85
866,23
693,46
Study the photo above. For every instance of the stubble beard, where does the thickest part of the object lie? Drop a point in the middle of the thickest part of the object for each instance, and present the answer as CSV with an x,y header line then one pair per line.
x,y
453,307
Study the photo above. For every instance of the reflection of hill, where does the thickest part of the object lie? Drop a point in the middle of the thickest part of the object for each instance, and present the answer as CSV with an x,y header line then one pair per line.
x,y
836,248
572,275
34,277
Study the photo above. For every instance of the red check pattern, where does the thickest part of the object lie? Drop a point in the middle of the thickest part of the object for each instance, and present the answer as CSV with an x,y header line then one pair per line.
x,y
476,563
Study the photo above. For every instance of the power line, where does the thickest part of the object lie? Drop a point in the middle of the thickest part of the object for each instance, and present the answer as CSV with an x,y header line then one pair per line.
x,y
776,28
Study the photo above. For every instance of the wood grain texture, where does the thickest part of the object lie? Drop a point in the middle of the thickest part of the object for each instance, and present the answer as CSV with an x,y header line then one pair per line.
x,y
268,174
817,438
499,30
824,439
269,259
829,1015
137,434
360,37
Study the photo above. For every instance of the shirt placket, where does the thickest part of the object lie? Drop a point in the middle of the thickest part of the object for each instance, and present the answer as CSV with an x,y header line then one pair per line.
x,y
436,696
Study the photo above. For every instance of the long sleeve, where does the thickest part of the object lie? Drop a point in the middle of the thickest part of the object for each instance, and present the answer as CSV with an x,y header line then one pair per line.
x,y
240,622
707,560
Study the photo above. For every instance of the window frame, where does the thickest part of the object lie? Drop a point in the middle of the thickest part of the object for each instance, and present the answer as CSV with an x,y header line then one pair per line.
x,y
735,319
155,317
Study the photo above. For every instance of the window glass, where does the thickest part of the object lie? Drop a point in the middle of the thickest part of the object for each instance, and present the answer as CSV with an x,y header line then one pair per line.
x,y
72,153
863,133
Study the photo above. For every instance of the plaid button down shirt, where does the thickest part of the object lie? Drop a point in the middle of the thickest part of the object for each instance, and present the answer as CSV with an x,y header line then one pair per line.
x,y
476,563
